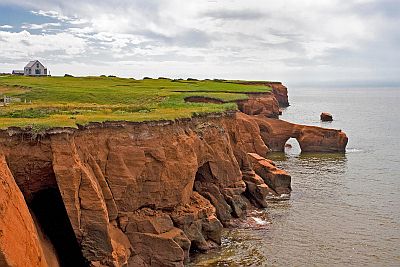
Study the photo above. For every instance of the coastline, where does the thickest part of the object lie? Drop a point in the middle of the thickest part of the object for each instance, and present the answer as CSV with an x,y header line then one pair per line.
x,y
150,193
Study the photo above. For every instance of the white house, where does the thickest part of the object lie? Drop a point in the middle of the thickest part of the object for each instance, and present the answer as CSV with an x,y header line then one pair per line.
x,y
35,68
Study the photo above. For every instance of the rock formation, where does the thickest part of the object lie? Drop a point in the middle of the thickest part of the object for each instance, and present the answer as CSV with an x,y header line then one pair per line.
x,y
280,92
145,194
325,116
260,104
275,134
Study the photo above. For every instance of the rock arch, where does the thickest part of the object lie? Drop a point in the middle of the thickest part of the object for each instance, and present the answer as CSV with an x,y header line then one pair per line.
x,y
292,146
275,133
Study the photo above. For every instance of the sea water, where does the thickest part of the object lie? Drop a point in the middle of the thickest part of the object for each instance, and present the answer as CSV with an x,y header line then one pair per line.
x,y
344,209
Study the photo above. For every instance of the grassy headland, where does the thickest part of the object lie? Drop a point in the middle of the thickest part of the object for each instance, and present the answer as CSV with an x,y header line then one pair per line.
x,y
67,101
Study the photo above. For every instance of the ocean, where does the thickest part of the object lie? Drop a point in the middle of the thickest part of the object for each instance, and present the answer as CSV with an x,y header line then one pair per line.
x,y
344,209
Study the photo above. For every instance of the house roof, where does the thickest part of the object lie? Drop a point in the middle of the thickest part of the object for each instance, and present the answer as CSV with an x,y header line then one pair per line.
x,y
17,71
33,62
30,64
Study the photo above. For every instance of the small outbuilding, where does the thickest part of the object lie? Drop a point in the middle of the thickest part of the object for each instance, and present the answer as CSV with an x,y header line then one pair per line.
x,y
18,72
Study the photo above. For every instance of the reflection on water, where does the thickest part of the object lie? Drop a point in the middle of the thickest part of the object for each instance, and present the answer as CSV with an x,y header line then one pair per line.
x,y
344,208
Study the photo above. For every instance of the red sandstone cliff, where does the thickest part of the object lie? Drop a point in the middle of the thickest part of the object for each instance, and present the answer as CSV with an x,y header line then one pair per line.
x,y
280,92
146,194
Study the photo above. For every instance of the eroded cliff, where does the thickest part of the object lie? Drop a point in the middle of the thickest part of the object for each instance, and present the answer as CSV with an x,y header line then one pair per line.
x,y
148,194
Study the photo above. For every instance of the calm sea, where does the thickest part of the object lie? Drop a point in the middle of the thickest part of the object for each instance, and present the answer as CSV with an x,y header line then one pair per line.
x,y
344,209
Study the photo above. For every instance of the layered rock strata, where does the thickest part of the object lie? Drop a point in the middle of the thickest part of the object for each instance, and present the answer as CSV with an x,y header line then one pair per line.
x,y
148,194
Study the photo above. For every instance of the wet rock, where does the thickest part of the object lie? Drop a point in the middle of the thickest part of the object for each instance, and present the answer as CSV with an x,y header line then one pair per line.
x,y
325,116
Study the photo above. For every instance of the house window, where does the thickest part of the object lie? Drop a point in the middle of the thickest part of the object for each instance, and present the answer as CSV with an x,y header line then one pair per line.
x,y
37,71
37,65
30,71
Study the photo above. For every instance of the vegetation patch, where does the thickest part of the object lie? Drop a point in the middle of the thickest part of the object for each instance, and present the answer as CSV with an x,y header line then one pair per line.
x,y
68,101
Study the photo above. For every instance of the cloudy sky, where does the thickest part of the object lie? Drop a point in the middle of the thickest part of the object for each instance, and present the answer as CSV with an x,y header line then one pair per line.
x,y
300,42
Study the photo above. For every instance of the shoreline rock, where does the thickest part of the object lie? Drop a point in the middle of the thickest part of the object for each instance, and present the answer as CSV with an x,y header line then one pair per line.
x,y
325,116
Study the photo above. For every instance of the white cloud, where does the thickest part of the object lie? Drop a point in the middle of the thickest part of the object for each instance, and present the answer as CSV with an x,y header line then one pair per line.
x,y
6,26
40,26
288,39
51,13
24,45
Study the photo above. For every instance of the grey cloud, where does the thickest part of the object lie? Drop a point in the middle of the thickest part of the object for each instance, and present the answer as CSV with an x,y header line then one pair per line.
x,y
186,38
26,42
163,30
388,8
226,14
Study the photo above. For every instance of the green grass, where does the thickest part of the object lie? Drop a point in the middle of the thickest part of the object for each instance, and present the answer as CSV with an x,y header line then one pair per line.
x,y
68,101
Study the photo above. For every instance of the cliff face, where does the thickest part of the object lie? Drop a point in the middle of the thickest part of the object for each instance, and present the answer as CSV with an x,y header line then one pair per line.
x,y
280,92
260,104
19,240
146,194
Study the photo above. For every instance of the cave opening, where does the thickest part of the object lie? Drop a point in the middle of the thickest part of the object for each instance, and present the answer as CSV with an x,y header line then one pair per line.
x,y
292,147
203,174
48,207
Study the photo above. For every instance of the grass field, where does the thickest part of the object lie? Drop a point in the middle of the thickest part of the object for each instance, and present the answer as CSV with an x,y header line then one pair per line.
x,y
67,101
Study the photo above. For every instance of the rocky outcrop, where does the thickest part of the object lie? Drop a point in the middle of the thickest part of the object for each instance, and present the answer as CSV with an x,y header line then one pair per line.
x,y
325,116
260,104
275,134
277,179
280,92
149,194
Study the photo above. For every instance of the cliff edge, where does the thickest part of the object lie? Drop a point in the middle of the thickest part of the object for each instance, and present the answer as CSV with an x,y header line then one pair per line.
x,y
144,194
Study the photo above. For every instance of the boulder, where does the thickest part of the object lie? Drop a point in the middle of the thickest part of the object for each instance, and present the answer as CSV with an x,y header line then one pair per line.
x,y
325,116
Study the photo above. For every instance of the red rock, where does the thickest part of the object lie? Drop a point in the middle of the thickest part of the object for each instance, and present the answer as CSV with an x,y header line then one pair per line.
x,y
280,92
157,250
277,179
260,104
19,240
275,134
325,116
142,194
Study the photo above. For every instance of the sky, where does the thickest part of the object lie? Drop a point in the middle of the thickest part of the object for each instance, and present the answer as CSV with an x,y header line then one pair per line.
x,y
300,42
